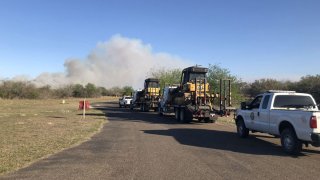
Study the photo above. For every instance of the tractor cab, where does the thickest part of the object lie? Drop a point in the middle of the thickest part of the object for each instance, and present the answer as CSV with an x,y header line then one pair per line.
x,y
152,86
190,74
194,79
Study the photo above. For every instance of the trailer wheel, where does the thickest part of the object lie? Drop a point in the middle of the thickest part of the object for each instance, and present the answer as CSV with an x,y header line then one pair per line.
x,y
188,116
177,113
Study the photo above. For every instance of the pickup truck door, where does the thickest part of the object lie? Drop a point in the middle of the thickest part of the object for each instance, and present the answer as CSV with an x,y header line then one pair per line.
x,y
251,115
263,115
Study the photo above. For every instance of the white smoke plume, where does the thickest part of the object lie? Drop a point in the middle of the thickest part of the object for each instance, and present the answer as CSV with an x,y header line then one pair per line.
x,y
118,62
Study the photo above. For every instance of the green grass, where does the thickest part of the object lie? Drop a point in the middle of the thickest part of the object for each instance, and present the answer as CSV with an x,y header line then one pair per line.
x,y
33,129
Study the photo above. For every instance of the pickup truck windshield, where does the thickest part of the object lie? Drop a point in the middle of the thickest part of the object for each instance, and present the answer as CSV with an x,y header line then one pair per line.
x,y
293,101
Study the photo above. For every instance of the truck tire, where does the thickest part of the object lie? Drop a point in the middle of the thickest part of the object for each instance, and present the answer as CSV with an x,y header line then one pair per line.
x,y
185,115
242,130
188,116
289,141
160,111
146,108
182,114
177,114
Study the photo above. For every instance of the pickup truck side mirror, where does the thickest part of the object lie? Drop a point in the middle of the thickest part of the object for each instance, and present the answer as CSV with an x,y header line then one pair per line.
x,y
243,105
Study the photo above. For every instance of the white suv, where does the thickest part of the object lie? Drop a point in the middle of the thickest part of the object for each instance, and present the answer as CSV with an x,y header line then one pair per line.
x,y
125,101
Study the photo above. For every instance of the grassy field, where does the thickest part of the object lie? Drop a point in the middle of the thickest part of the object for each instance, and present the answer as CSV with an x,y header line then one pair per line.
x,y
33,129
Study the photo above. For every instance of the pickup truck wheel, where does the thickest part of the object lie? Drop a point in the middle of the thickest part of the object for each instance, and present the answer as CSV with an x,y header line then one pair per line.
x,y
289,141
242,130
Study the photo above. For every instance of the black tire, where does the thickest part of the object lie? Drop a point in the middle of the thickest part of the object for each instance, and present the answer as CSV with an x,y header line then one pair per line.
x,y
188,116
242,130
289,141
146,108
160,111
182,115
177,114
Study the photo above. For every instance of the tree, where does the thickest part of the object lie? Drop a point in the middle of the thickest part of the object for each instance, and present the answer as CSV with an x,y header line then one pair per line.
x,y
215,73
167,76
78,91
115,91
103,91
91,90
262,85
127,90
12,89
310,84
66,91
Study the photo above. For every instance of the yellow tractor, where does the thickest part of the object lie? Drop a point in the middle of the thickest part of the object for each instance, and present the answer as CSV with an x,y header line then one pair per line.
x,y
192,98
148,98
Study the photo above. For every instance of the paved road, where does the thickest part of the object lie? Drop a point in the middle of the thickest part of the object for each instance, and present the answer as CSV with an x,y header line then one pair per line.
x,y
135,145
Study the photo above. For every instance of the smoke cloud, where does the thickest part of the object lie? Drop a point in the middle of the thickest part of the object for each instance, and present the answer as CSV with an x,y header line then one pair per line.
x,y
120,62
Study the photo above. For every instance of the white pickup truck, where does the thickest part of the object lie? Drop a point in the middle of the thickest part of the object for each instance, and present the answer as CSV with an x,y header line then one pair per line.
x,y
292,116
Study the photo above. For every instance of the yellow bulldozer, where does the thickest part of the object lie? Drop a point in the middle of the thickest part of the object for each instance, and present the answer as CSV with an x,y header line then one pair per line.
x,y
147,98
192,98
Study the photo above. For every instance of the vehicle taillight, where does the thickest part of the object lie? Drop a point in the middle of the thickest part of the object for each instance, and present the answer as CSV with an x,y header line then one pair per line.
x,y
313,122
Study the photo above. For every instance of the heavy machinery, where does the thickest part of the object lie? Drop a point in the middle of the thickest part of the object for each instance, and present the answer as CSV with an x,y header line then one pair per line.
x,y
166,100
192,98
147,98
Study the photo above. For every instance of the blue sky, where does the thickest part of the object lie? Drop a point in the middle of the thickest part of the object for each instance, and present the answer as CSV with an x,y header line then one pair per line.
x,y
252,38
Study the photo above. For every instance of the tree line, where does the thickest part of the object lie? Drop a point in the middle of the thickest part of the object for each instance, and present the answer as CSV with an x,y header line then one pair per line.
x,y
27,90
240,90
